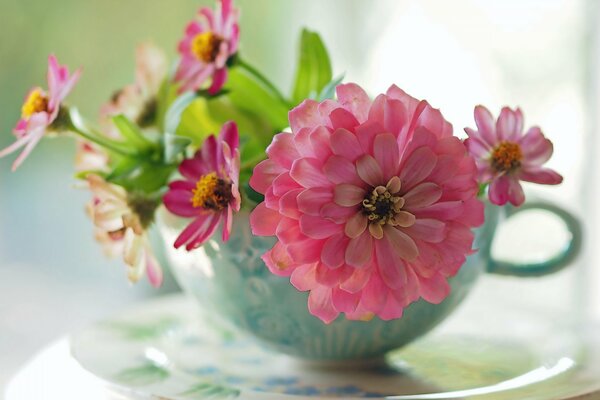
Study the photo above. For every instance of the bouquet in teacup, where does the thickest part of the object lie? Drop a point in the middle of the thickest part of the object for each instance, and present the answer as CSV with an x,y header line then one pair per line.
x,y
372,200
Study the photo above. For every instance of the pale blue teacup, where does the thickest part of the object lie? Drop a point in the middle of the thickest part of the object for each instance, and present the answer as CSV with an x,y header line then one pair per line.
x,y
232,285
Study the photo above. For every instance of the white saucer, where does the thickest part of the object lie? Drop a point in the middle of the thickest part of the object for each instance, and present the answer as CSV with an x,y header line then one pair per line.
x,y
159,350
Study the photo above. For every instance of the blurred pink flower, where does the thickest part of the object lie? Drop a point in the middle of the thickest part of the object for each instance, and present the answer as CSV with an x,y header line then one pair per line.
x,y
138,101
206,47
41,109
209,193
372,203
121,230
505,156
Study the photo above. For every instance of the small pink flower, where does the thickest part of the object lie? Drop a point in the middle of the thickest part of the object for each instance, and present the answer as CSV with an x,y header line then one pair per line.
x,y
372,203
122,230
138,101
505,156
209,193
40,110
207,46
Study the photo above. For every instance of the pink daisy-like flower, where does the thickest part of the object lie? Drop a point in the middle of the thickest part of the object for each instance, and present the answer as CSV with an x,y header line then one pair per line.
x,y
207,46
372,203
120,229
209,193
138,101
40,110
505,156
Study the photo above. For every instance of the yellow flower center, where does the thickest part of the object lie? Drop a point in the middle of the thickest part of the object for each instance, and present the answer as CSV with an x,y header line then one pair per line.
x,y
205,46
211,192
36,102
506,157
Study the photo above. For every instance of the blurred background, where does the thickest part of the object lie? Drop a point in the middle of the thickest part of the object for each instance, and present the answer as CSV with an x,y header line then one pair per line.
x,y
538,54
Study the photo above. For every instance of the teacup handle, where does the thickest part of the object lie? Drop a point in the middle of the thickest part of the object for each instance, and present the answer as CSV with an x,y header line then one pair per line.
x,y
554,264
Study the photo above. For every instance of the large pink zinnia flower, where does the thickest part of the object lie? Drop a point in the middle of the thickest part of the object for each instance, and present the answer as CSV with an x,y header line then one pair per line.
x,y
372,203
40,110
209,193
207,46
505,156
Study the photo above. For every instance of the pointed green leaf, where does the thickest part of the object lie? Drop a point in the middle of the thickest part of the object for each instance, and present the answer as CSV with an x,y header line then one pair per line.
x,y
313,72
174,145
131,133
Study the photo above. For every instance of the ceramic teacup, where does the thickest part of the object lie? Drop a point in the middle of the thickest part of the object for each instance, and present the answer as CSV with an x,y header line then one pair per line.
x,y
231,283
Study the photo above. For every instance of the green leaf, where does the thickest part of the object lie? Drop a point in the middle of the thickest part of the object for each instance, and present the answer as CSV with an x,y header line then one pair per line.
x,y
173,146
253,97
328,91
132,133
176,109
313,72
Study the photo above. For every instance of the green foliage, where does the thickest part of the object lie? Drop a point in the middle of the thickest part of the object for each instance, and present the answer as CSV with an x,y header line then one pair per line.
x,y
313,72
251,96
328,91
132,134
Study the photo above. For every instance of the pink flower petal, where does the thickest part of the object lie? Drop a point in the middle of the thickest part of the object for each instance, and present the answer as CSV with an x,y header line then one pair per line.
x,y
485,124
385,151
515,192
342,118
153,270
360,250
319,139
536,148
348,195
506,126
354,99
402,244
304,278
344,143
356,225
264,221
263,175
417,167
305,115
428,230
320,304
288,204
282,150
434,289
310,201
422,195
544,176
227,224
344,301
366,133
179,202
308,173
340,170
333,253
369,171
279,261
317,227
498,192
357,281
218,80
391,267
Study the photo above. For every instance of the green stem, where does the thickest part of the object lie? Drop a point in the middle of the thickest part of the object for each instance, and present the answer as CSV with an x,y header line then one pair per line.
x,y
258,75
102,141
